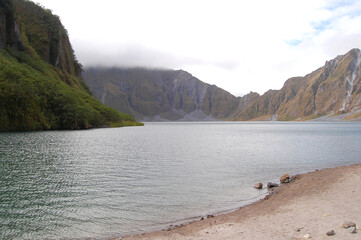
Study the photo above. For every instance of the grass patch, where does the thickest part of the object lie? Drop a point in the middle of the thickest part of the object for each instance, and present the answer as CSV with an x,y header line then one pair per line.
x,y
126,124
311,117
355,116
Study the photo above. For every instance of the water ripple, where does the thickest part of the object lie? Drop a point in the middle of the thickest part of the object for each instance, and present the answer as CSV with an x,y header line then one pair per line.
x,y
111,182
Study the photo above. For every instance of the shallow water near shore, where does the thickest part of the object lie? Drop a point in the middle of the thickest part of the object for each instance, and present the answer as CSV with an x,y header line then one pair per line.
x,y
105,183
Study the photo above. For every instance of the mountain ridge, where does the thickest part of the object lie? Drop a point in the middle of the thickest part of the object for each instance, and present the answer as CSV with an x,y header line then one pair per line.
x,y
159,94
332,89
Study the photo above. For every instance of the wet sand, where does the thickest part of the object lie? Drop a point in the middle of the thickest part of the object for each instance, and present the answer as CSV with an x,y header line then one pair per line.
x,y
312,204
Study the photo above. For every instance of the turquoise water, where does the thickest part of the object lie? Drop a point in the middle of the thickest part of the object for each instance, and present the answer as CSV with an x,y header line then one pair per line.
x,y
105,183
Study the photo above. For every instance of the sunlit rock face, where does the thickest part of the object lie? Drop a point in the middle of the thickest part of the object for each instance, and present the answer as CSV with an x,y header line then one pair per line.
x,y
332,89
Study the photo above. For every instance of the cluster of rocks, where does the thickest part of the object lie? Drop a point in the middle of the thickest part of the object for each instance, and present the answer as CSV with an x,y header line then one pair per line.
x,y
347,225
351,226
284,179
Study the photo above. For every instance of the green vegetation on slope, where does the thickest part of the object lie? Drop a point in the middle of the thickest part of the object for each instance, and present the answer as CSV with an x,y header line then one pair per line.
x,y
40,88
36,99
43,35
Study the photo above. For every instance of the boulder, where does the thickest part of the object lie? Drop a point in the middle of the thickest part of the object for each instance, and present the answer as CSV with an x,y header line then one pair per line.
x,y
285,179
272,185
258,186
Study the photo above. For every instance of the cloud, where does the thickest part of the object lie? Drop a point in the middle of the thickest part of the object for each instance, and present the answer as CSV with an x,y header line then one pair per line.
x,y
131,55
227,64
293,42
327,17
137,55
240,46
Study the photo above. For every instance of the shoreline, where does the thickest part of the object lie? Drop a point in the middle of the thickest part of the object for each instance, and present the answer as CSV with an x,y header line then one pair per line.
x,y
293,210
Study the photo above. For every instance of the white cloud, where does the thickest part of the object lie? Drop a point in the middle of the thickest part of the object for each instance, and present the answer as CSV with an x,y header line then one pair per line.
x,y
237,45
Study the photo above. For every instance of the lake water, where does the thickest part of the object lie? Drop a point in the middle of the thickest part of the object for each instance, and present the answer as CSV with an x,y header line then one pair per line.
x,y
105,183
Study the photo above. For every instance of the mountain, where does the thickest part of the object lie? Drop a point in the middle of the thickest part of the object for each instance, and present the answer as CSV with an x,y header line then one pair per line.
x,y
159,95
333,90
40,78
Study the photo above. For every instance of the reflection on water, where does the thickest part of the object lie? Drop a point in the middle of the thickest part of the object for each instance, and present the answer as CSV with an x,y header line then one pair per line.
x,y
110,182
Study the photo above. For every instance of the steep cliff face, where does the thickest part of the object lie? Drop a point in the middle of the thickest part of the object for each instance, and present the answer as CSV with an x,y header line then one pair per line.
x,y
44,33
332,89
9,29
160,94
40,87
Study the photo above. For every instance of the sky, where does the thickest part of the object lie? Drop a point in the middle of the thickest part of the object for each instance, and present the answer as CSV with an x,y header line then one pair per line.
x,y
238,45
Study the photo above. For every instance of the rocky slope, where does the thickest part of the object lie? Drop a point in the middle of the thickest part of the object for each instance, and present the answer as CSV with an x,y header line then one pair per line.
x,y
333,89
40,79
157,95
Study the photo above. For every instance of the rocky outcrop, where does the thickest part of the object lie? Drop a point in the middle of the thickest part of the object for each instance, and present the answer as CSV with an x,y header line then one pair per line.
x,y
39,29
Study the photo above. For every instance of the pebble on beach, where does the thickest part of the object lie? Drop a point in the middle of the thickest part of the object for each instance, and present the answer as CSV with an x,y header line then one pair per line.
x,y
330,233
307,236
348,224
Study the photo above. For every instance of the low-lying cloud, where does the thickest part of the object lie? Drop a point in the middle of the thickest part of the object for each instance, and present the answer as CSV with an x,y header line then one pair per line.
x,y
131,55
237,45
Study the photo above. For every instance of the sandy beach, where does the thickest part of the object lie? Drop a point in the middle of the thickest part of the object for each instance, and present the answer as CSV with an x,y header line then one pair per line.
x,y
307,208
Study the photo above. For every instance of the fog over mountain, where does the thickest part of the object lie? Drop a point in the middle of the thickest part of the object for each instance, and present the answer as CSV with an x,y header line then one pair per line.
x,y
240,46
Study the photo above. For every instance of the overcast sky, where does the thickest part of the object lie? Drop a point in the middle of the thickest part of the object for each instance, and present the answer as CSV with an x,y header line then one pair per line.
x,y
240,46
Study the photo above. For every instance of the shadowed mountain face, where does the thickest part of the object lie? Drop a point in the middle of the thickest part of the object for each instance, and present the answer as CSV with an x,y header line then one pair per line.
x,y
160,94
176,95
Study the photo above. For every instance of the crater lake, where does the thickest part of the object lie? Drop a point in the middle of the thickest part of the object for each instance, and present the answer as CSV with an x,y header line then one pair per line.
x,y
111,182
